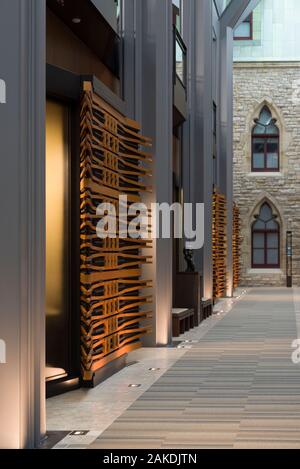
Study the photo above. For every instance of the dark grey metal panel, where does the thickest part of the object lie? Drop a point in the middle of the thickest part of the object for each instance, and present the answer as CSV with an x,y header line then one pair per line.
x,y
22,127
198,174
236,12
154,104
232,16
180,98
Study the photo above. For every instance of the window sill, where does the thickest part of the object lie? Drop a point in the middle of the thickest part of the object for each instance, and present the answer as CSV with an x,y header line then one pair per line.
x,y
265,174
264,271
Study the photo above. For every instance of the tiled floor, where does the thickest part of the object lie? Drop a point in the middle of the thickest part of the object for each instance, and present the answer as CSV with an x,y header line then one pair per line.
x,y
96,409
236,388
232,385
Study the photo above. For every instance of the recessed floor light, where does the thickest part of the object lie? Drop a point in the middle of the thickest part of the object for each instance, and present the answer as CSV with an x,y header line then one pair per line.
x,y
154,369
79,433
134,385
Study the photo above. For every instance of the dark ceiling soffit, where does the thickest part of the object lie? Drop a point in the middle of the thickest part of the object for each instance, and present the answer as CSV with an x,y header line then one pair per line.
x,y
93,29
236,12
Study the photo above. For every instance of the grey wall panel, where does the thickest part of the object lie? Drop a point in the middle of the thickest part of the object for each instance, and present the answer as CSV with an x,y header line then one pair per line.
x,y
22,56
231,17
10,247
154,103
197,31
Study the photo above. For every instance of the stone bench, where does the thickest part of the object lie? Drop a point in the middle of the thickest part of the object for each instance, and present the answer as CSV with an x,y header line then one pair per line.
x,y
182,321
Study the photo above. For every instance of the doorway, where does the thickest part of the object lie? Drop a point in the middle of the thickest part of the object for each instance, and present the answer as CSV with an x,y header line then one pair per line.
x,y
62,343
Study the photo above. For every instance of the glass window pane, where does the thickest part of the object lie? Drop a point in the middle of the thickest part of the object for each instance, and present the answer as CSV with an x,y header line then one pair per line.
x,y
272,160
265,116
272,240
258,160
272,129
265,213
259,130
259,240
259,225
272,153
258,256
272,145
272,225
180,62
243,30
272,257
177,12
118,15
265,123
258,145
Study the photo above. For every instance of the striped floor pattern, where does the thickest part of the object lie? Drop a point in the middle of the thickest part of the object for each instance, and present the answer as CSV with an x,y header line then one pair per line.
x,y
236,388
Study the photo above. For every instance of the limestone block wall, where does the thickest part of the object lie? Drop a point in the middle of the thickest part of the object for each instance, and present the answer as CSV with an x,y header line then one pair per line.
x,y
276,85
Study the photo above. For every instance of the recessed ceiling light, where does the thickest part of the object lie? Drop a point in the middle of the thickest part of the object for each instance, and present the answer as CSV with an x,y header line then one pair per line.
x,y
154,369
134,385
76,20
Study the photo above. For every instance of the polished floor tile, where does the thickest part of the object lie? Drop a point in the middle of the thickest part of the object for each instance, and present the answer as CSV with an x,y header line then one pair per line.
x,y
232,385
235,387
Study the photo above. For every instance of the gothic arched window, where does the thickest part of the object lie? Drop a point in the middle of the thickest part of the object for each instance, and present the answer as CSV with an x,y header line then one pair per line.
x,y
265,143
265,239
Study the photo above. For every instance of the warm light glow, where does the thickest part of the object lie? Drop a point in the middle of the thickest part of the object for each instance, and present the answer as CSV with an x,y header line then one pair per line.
x,y
54,373
57,137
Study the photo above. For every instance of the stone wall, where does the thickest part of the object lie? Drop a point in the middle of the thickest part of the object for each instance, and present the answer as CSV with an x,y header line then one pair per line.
x,y
278,86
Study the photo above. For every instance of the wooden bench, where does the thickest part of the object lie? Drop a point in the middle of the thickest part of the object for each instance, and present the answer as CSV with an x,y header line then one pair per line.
x,y
207,307
188,293
182,321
